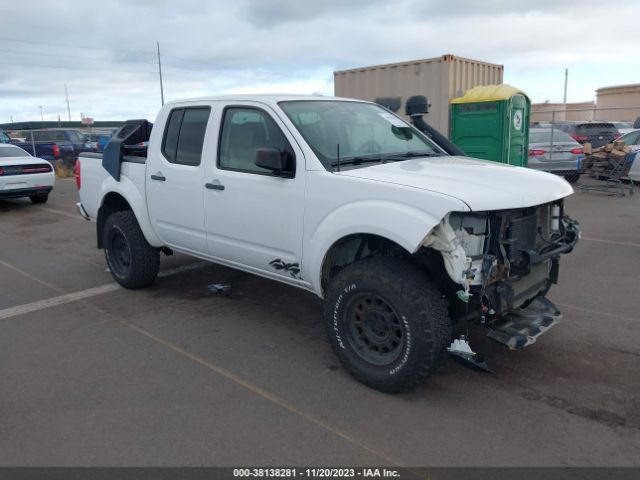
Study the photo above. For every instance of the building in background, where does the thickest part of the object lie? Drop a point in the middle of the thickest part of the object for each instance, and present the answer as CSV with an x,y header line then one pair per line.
x,y
625,99
619,103
439,79
571,112
36,125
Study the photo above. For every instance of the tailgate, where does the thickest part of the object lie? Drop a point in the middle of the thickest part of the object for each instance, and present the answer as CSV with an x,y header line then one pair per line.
x,y
92,176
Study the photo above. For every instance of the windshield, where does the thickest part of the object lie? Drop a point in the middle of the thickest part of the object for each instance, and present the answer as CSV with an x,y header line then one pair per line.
x,y
4,138
631,138
11,151
358,130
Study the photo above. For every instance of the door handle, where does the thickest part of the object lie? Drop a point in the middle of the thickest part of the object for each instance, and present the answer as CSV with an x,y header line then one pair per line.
x,y
159,177
214,186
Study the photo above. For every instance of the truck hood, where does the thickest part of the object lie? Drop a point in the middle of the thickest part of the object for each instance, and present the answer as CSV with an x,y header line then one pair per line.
x,y
482,185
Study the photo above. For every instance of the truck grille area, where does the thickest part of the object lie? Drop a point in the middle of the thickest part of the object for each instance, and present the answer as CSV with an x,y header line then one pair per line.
x,y
521,234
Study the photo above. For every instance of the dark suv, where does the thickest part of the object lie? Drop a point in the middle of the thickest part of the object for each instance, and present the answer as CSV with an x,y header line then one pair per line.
x,y
595,133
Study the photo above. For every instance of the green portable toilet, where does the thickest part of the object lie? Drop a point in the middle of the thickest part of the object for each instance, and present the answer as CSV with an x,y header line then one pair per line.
x,y
492,122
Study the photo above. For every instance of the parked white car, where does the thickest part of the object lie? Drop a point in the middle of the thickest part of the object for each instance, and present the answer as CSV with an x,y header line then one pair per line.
x,y
632,139
345,199
22,175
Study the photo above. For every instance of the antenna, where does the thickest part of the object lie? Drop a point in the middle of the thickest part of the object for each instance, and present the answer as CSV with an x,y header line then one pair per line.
x,y
338,159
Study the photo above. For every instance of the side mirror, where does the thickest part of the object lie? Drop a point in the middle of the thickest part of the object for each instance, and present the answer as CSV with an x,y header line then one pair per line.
x,y
274,160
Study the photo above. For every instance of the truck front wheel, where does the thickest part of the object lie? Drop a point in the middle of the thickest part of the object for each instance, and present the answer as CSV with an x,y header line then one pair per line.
x,y
387,323
132,261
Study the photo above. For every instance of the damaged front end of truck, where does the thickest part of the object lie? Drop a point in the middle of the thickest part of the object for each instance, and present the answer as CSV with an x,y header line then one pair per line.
x,y
500,265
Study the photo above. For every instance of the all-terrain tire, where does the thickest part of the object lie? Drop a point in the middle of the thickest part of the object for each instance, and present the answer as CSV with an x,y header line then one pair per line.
x,y
132,261
39,198
418,304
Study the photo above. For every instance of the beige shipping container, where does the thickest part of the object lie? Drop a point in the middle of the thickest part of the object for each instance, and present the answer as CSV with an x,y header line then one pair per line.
x,y
439,79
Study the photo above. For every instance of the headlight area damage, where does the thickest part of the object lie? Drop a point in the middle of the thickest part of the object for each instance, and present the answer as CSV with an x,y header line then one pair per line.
x,y
500,265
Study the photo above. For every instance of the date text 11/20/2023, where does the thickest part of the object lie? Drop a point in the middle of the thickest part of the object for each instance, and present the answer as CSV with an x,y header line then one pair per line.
x,y
316,472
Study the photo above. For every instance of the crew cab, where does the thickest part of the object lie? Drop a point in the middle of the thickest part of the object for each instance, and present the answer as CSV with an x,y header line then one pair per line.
x,y
22,175
406,244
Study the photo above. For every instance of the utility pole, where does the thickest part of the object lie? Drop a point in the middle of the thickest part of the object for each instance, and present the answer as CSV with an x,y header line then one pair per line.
x,y
66,94
566,79
160,72
41,116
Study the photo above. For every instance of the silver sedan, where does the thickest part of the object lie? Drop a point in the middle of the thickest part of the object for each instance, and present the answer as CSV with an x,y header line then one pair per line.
x,y
561,157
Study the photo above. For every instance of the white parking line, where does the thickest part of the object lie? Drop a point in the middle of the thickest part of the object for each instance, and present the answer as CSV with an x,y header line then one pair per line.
x,y
82,294
611,242
55,301
60,212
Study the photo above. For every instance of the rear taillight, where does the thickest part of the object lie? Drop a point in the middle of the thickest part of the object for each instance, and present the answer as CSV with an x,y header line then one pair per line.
x,y
577,151
536,153
39,169
1,171
77,173
579,138
55,150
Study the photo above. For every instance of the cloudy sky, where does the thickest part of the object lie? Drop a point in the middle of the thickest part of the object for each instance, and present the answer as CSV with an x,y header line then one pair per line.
x,y
104,51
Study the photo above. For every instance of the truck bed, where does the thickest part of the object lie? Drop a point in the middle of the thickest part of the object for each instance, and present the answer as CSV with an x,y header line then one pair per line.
x,y
94,179
125,158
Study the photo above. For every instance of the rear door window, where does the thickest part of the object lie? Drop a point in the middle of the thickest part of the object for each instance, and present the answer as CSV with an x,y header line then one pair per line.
x,y
184,135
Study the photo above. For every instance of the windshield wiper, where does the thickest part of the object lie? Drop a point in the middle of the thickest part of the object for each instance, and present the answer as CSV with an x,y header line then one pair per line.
x,y
424,153
383,158
357,160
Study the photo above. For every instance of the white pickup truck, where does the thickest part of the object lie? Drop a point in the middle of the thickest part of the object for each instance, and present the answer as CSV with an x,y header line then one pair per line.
x,y
406,244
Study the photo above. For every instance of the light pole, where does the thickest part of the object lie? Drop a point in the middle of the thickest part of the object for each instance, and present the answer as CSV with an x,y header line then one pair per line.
x,y
41,116
66,94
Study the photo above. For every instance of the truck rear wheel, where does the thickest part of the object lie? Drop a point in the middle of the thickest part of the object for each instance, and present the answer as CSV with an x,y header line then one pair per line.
x,y
132,261
387,323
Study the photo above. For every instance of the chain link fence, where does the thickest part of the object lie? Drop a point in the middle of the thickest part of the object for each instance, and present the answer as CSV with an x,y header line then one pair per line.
x,y
558,138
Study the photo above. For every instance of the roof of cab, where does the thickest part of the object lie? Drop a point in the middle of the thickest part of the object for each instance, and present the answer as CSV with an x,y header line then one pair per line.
x,y
263,97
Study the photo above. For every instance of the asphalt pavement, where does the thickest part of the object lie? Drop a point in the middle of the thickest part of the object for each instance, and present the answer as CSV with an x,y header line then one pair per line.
x,y
93,374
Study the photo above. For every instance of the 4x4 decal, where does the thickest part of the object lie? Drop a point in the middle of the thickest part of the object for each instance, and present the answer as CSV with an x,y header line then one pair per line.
x,y
292,268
